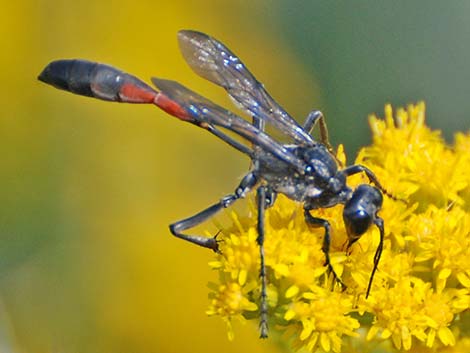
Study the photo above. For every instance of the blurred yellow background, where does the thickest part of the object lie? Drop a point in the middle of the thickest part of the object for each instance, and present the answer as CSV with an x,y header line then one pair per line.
x,y
88,188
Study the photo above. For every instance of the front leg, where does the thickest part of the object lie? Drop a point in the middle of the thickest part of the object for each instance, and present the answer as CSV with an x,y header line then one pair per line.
x,y
358,168
320,222
247,183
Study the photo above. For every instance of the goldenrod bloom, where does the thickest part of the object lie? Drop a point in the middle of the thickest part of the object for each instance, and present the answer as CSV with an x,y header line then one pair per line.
x,y
420,297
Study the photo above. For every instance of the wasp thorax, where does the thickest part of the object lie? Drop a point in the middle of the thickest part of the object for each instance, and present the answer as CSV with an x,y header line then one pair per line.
x,y
320,163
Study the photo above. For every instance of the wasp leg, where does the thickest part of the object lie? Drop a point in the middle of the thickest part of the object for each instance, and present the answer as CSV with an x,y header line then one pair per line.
x,y
247,183
320,222
234,143
270,197
262,204
358,168
313,118
378,253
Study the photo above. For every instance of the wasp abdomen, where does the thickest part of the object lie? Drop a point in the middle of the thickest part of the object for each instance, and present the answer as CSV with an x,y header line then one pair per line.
x,y
96,80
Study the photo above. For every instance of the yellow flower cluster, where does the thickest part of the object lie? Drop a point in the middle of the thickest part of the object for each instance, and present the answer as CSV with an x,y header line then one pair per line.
x,y
420,296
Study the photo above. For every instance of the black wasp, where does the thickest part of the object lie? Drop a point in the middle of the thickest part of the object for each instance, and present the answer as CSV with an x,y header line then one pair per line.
x,y
305,170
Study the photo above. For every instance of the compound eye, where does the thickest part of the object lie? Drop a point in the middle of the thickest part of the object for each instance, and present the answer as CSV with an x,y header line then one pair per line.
x,y
357,222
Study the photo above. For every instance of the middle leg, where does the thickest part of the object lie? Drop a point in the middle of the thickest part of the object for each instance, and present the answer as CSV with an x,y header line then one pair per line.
x,y
261,199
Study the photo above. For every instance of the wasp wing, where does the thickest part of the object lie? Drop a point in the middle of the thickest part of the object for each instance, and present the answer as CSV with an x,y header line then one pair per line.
x,y
200,111
213,61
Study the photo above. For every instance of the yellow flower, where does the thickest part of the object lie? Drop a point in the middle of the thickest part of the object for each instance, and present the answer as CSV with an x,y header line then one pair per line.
x,y
319,318
412,309
420,296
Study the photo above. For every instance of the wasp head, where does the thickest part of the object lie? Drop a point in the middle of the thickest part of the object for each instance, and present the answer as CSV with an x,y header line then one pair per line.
x,y
360,211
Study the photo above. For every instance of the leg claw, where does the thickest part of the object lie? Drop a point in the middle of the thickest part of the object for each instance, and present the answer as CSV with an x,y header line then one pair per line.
x,y
214,243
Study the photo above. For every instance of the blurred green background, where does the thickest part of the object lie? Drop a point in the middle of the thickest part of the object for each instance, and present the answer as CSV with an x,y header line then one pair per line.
x,y
88,188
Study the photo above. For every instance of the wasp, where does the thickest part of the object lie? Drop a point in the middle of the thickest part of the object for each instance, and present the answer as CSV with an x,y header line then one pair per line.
x,y
305,170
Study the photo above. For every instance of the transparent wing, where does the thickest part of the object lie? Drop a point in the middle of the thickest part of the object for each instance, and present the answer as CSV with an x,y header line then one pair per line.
x,y
200,110
213,61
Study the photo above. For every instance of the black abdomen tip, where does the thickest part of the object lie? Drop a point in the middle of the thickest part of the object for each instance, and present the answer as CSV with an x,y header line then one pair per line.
x,y
72,75
57,73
